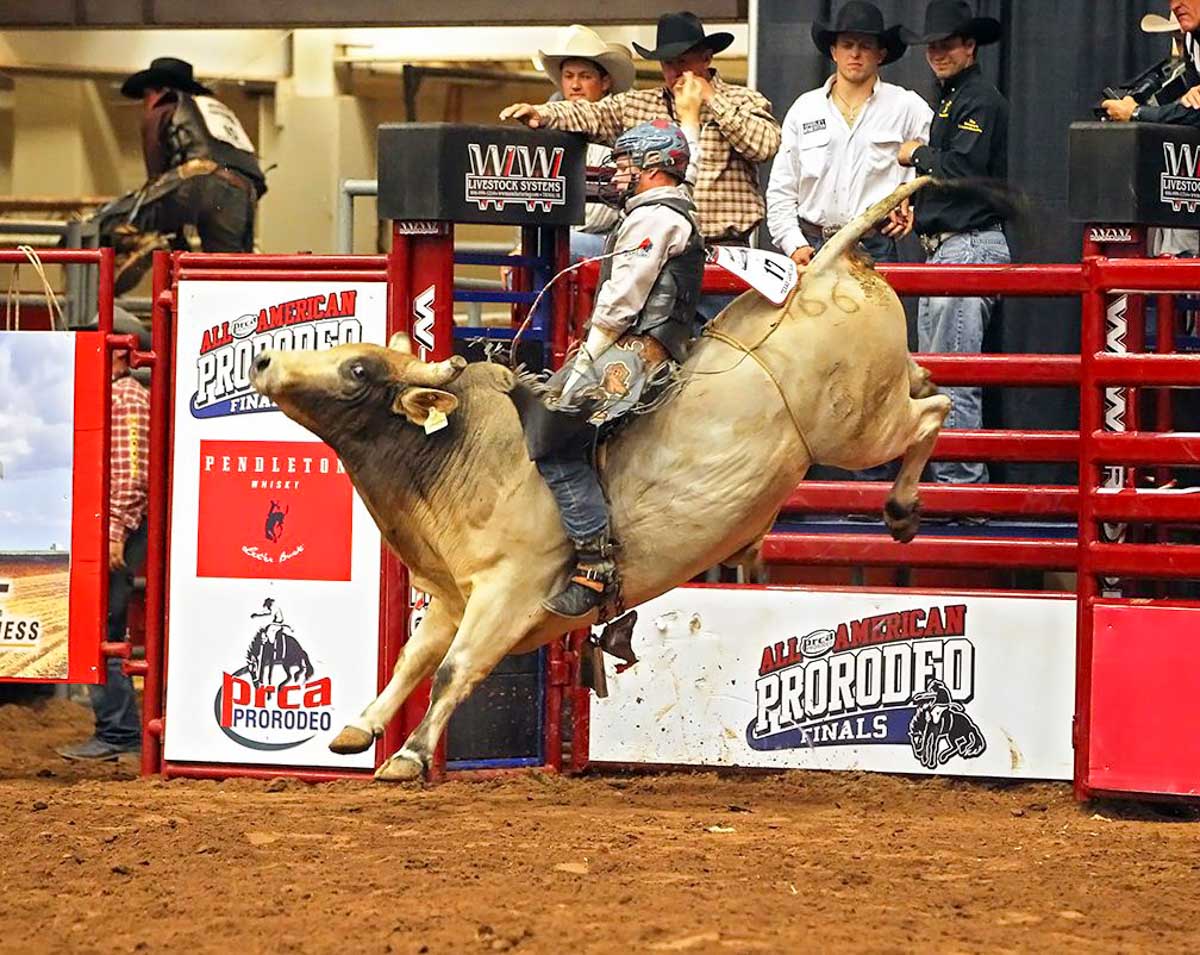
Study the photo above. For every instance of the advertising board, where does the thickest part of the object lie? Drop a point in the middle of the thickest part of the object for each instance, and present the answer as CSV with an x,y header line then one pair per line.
x,y
273,619
912,682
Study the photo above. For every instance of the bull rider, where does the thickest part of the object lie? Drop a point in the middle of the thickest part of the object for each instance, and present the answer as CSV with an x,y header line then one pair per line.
x,y
641,328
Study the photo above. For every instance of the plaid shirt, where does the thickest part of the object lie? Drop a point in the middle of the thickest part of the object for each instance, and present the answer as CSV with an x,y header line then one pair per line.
x,y
737,131
129,479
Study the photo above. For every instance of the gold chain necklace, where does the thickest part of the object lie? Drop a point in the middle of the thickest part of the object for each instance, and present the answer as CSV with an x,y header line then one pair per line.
x,y
850,113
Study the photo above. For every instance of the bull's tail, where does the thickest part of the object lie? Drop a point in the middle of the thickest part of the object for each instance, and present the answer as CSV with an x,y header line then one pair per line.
x,y
848,235
1008,203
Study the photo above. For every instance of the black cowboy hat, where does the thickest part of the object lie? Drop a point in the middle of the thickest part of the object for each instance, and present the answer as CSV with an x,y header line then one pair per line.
x,y
947,18
858,16
679,32
165,72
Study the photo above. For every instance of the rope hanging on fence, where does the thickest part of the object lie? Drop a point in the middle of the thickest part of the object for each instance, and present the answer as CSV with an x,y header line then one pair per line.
x,y
12,303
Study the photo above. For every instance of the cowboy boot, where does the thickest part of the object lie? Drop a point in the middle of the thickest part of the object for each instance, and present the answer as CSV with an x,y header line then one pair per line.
x,y
594,580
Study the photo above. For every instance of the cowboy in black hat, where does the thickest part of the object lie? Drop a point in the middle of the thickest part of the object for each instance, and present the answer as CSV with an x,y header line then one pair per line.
x,y
968,140
828,170
201,166
738,130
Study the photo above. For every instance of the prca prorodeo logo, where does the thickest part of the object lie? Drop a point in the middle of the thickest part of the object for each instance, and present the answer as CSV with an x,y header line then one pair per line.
x,y
227,351
900,679
273,701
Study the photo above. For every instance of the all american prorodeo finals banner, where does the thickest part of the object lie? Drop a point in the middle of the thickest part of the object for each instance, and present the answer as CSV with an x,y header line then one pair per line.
x,y
273,628
911,682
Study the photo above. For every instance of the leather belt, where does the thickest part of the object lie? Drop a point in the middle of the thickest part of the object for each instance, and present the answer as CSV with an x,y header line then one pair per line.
x,y
826,232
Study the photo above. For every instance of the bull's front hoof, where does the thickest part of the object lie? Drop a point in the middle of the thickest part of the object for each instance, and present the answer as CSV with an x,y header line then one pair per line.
x,y
401,768
903,522
351,740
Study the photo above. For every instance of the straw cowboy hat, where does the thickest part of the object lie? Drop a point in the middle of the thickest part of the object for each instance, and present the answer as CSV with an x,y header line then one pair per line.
x,y
858,16
947,18
165,72
1154,23
679,32
579,43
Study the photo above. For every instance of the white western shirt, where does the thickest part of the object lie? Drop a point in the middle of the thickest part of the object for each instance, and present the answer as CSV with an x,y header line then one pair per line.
x,y
827,172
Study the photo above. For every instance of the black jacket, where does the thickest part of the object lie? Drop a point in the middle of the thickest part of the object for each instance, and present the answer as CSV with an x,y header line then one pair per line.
x,y
968,139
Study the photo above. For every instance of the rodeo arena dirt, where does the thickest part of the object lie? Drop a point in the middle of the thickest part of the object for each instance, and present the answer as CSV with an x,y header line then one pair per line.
x,y
303,647
661,863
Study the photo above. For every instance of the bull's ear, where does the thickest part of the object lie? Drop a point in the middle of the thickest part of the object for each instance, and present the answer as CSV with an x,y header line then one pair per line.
x,y
416,403
401,343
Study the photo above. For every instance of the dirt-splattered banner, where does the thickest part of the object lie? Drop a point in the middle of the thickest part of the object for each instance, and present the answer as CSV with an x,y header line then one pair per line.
x,y
273,629
912,682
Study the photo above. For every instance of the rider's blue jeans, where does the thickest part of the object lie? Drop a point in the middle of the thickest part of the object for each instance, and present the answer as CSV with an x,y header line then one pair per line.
x,y
576,487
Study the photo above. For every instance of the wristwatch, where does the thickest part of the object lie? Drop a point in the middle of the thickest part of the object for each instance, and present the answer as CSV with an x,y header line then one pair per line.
x,y
1134,117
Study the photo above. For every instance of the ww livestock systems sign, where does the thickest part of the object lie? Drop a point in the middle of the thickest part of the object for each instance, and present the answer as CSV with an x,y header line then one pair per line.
x,y
906,682
273,628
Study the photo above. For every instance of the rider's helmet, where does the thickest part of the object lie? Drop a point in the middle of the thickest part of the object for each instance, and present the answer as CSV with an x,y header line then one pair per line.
x,y
659,144
269,603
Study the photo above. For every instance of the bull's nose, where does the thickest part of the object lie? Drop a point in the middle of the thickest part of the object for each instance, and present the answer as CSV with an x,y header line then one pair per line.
x,y
261,363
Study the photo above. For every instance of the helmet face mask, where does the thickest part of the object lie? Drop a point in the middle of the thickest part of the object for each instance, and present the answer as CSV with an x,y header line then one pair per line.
x,y
621,180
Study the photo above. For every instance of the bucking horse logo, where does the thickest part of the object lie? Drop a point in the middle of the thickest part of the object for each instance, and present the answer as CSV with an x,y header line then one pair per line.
x,y
274,526
941,729
276,646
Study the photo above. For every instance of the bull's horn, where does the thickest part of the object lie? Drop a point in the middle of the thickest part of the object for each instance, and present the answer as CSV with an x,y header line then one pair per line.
x,y
401,343
436,374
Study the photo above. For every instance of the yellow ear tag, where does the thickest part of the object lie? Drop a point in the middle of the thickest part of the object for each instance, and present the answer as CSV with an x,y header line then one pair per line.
x,y
435,421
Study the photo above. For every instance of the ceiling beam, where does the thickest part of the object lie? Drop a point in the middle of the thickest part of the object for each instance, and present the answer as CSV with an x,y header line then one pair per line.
x,y
221,14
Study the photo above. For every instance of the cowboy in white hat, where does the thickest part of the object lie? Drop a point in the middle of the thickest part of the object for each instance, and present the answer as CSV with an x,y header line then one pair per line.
x,y
1184,27
586,69
737,128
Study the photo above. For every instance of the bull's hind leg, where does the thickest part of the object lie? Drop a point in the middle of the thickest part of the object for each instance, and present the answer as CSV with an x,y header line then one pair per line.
x,y
487,633
902,511
416,661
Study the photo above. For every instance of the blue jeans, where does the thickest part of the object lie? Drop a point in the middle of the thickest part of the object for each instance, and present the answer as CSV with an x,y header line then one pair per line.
x,y
114,702
576,487
878,247
956,325
586,245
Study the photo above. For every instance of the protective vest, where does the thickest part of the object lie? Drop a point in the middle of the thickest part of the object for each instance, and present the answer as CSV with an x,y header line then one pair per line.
x,y
669,314
203,127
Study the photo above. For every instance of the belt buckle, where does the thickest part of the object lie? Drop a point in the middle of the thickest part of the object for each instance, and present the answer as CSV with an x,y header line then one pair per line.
x,y
829,231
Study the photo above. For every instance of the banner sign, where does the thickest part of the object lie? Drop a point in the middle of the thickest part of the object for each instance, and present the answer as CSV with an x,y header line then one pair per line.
x,y
53,541
910,682
273,627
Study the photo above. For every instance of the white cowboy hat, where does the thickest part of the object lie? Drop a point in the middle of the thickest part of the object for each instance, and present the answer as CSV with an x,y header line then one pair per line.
x,y
579,43
1153,23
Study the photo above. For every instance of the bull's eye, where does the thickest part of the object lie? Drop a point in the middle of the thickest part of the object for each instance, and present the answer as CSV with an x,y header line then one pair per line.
x,y
358,372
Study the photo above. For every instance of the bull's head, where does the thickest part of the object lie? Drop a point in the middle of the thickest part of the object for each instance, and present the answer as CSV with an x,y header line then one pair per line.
x,y
352,388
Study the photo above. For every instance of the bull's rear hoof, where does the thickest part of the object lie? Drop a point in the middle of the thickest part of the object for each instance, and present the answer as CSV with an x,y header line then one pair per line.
x,y
352,740
401,768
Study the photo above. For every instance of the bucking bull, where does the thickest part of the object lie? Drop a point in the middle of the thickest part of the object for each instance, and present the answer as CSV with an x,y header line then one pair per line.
x,y
768,391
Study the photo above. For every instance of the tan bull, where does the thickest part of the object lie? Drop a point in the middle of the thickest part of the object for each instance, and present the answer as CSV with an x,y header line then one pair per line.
x,y
826,379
